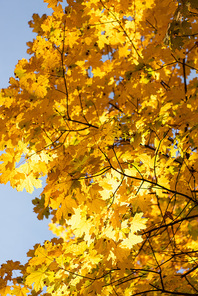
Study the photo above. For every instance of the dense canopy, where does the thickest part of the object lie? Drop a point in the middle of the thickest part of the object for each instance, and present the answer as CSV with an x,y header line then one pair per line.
x,y
106,110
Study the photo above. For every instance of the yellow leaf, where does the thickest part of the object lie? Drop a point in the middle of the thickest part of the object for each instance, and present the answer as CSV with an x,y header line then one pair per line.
x,y
29,183
36,277
20,291
132,240
5,291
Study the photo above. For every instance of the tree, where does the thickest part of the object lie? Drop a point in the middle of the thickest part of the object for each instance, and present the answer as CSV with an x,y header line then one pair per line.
x,y
106,109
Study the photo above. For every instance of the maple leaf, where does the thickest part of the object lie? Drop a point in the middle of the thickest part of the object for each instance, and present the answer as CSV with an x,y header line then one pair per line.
x,y
19,291
5,291
36,277
29,183
52,3
130,241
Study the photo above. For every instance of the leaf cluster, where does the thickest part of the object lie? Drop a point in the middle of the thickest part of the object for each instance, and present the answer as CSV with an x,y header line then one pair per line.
x,y
106,109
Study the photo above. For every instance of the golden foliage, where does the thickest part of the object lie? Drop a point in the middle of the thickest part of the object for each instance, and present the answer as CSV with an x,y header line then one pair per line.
x,y
106,109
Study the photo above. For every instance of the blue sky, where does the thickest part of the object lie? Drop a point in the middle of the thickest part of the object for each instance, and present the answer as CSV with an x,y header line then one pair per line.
x,y
19,227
